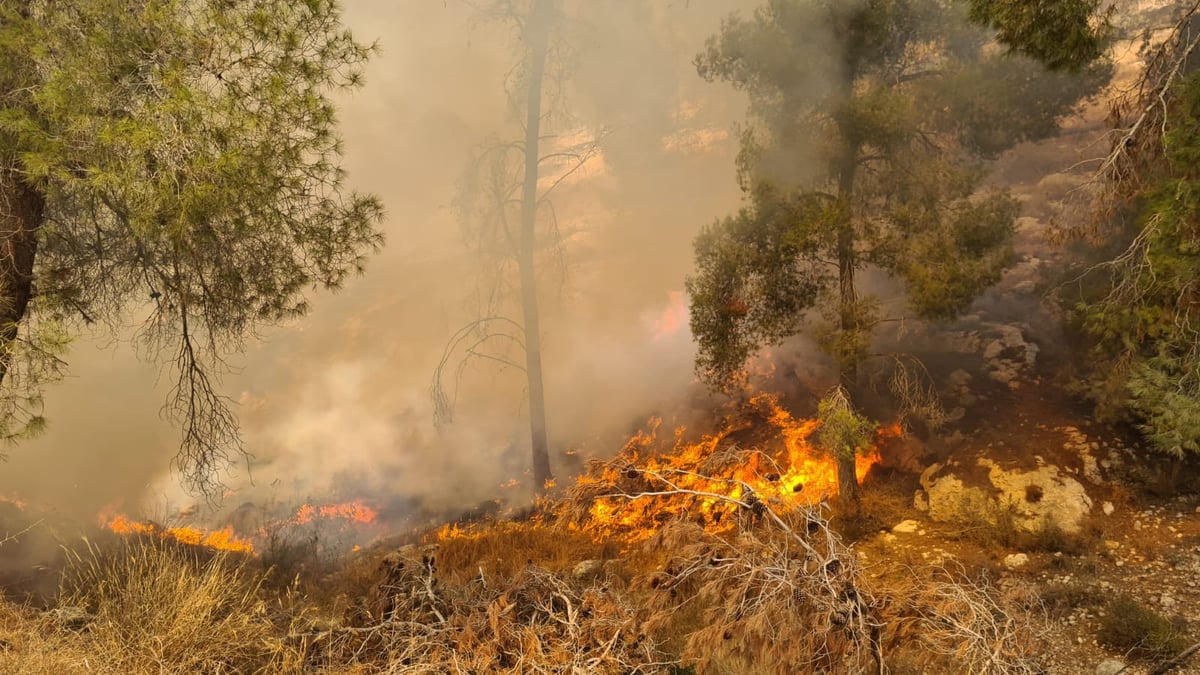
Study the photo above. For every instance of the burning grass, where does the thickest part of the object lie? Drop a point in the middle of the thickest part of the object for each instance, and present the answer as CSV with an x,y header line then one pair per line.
x,y
221,540
714,552
355,513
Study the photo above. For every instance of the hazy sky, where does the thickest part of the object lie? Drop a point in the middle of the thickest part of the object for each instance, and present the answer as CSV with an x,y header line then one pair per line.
x,y
342,396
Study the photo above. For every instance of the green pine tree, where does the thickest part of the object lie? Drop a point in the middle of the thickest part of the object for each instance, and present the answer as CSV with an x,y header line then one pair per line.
x,y
872,125
180,155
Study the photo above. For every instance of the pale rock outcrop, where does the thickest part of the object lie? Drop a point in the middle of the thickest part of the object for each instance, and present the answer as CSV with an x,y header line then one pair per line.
x,y
1035,500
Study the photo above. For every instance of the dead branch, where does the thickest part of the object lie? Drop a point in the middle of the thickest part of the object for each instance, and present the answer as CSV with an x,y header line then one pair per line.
x,y
483,331
14,536
1175,661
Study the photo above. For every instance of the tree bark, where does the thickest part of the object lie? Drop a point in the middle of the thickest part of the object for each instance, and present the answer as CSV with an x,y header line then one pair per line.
x,y
537,29
22,209
848,497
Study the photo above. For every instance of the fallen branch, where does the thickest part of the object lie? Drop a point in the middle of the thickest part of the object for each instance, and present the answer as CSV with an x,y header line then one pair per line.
x,y
1172,663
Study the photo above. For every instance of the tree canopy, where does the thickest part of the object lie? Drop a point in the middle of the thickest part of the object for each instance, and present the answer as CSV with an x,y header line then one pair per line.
x,y
173,157
1138,308
1063,34
872,123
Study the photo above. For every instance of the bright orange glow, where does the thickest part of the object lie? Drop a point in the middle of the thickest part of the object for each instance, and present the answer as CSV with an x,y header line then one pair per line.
x,y
780,468
672,318
356,511
223,539
15,501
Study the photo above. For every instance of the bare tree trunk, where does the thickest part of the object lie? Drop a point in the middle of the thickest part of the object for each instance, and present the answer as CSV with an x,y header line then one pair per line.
x,y
21,211
848,497
537,29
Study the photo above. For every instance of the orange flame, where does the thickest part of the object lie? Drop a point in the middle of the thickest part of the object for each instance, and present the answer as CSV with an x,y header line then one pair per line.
x,y
356,511
222,540
697,480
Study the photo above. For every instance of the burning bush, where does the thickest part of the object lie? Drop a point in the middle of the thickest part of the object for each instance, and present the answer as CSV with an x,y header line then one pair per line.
x,y
760,454
770,586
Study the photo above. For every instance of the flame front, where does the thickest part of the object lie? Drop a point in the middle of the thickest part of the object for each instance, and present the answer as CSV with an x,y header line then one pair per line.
x,y
222,539
356,511
696,480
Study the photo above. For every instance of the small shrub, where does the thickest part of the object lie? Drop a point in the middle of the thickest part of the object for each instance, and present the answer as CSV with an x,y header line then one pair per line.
x,y
1131,627
1060,599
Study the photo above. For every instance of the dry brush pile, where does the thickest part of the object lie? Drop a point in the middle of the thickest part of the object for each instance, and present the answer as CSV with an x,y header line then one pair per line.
x,y
535,622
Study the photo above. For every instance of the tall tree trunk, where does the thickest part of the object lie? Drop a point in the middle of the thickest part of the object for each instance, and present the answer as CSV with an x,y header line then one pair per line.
x,y
537,29
21,211
848,497
22,208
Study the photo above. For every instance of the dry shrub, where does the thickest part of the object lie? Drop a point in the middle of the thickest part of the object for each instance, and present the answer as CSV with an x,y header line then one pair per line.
x,y
166,608
944,618
772,604
538,622
1062,599
1131,627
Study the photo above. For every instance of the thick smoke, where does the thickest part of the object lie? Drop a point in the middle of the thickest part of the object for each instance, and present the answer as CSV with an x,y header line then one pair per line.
x,y
337,405
339,401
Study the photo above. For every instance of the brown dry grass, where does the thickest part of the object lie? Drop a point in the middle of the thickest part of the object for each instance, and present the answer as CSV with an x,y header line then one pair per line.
x,y
502,549
780,591
153,607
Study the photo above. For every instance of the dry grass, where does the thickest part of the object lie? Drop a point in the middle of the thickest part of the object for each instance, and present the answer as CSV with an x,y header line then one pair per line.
x,y
502,549
152,607
777,591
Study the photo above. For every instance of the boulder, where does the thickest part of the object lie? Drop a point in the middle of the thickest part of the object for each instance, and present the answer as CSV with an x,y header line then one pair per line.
x,y
1035,500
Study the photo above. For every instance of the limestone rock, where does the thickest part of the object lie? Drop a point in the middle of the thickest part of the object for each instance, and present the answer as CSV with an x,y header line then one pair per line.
x,y
1015,560
1110,667
906,527
921,501
1036,499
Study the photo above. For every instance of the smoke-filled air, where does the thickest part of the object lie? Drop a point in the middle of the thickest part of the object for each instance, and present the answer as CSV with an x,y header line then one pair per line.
x,y
579,336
